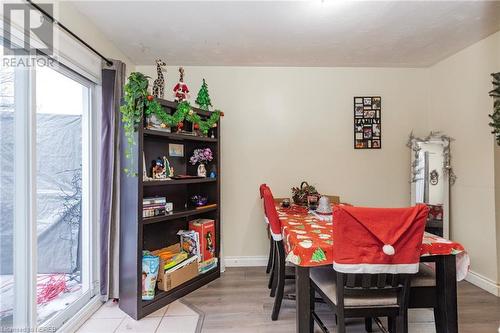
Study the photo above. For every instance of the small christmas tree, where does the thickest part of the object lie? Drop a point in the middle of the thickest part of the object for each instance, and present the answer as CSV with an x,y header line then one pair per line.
x,y
318,255
203,99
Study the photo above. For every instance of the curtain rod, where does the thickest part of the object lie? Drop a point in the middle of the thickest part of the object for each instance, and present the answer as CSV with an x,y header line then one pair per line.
x,y
54,21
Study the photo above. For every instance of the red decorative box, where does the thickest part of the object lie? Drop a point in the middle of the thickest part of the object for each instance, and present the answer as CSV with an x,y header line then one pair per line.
x,y
206,230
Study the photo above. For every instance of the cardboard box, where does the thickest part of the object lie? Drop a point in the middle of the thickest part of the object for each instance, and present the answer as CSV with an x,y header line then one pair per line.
x,y
206,230
171,280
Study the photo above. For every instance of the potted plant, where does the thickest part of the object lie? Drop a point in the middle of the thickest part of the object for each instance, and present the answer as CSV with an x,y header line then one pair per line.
x,y
201,156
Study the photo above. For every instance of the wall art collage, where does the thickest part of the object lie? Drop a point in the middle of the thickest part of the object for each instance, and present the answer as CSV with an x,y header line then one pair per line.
x,y
367,122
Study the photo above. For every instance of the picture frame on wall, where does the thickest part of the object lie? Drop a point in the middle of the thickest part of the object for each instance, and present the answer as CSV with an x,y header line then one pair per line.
x,y
367,122
175,150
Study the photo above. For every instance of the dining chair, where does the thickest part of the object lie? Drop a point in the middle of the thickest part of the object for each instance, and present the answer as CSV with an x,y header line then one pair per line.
x,y
270,258
334,199
376,251
278,272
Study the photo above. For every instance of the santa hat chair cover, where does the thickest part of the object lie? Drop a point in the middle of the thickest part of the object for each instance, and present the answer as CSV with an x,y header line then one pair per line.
x,y
272,214
378,240
261,190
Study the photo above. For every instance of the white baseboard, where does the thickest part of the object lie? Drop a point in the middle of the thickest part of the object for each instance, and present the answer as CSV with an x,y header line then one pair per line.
x,y
483,283
245,261
82,316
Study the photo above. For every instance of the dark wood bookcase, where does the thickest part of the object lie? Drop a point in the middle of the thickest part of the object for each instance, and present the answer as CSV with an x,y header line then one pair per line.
x,y
138,233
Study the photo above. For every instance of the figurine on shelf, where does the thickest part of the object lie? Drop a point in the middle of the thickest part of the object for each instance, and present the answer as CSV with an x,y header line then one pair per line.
x,y
168,168
161,169
159,83
181,90
158,169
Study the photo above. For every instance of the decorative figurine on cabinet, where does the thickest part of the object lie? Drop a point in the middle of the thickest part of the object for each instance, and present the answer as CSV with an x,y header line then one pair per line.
x,y
181,90
161,169
159,83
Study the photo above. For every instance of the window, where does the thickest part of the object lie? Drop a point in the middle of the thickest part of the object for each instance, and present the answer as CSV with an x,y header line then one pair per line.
x,y
47,208
62,196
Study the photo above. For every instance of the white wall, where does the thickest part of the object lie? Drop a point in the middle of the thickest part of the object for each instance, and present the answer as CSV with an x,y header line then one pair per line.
x,y
86,30
285,125
459,106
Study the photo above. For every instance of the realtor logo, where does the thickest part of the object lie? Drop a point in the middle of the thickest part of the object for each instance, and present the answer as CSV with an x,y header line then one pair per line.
x,y
37,29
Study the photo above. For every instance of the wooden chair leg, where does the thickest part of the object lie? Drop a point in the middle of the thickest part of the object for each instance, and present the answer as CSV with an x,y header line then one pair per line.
x,y
438,320
312,305
280,278
271,258
341,324
272,252
368,324
401,324
391,322
273,279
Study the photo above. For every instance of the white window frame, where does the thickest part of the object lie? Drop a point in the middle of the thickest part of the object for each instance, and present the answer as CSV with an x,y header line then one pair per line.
x,y
24,229
25,222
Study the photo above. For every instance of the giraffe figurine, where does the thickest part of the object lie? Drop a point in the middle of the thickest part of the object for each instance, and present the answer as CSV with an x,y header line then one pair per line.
x,y
159,83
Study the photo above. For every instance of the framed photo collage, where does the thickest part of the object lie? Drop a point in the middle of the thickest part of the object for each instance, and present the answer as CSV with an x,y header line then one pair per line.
x,y
367,122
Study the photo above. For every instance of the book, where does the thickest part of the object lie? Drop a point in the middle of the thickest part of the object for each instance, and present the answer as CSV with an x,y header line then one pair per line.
x,y
153,211
207,206
206,234
154,200
190,242
175,260
181,264
207,265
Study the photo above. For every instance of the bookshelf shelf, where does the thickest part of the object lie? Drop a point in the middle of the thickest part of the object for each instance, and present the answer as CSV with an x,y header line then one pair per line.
x,y
152,233
178,214
176,136
179,181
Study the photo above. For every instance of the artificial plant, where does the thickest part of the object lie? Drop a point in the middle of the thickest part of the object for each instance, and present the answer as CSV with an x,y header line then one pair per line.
x,y
203,99
135,96
139,103
495,116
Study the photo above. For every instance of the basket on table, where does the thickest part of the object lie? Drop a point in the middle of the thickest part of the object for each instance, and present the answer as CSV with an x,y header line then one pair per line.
x,y
300,194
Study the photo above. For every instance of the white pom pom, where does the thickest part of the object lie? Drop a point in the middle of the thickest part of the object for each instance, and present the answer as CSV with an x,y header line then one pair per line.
x,y
388,249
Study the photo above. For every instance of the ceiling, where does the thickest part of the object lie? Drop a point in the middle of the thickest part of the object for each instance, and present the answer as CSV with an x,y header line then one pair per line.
x,y
305,33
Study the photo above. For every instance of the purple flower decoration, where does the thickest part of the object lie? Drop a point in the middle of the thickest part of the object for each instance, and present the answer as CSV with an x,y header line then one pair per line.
x,y
201,156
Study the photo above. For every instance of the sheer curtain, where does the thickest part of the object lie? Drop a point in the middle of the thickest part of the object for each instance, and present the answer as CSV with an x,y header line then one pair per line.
x,y
113,79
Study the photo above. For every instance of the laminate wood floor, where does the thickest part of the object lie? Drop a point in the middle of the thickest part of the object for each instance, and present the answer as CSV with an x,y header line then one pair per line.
x,y
239,302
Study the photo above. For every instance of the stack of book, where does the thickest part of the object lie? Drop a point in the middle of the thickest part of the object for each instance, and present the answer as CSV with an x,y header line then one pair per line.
x,y
154,206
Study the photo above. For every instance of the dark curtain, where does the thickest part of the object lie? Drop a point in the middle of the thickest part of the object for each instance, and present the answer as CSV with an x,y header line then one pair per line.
x,y
113,80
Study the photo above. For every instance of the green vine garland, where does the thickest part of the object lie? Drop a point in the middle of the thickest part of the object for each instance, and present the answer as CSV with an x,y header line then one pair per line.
x,y
495,116
138,102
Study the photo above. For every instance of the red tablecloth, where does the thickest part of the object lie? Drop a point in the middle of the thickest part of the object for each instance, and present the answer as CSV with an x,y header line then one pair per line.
x,y
308,240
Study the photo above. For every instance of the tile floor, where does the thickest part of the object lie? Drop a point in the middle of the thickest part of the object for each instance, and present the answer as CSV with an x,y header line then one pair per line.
x,y
239,302
176,317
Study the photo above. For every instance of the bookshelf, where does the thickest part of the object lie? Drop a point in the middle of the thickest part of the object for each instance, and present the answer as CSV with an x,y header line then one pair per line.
x,y
152,233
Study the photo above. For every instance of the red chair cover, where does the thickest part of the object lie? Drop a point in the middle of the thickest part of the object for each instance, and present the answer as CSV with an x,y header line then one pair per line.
x,y
378,240
261,189
272,214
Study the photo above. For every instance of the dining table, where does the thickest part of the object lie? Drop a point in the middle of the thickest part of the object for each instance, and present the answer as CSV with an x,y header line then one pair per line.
x,y
308,241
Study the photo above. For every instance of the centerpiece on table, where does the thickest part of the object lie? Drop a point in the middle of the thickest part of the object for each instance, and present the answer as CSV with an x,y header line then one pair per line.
x,y
303,194
201,156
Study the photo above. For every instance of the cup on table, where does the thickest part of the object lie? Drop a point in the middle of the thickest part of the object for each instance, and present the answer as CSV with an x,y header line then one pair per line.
x,y
312,202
